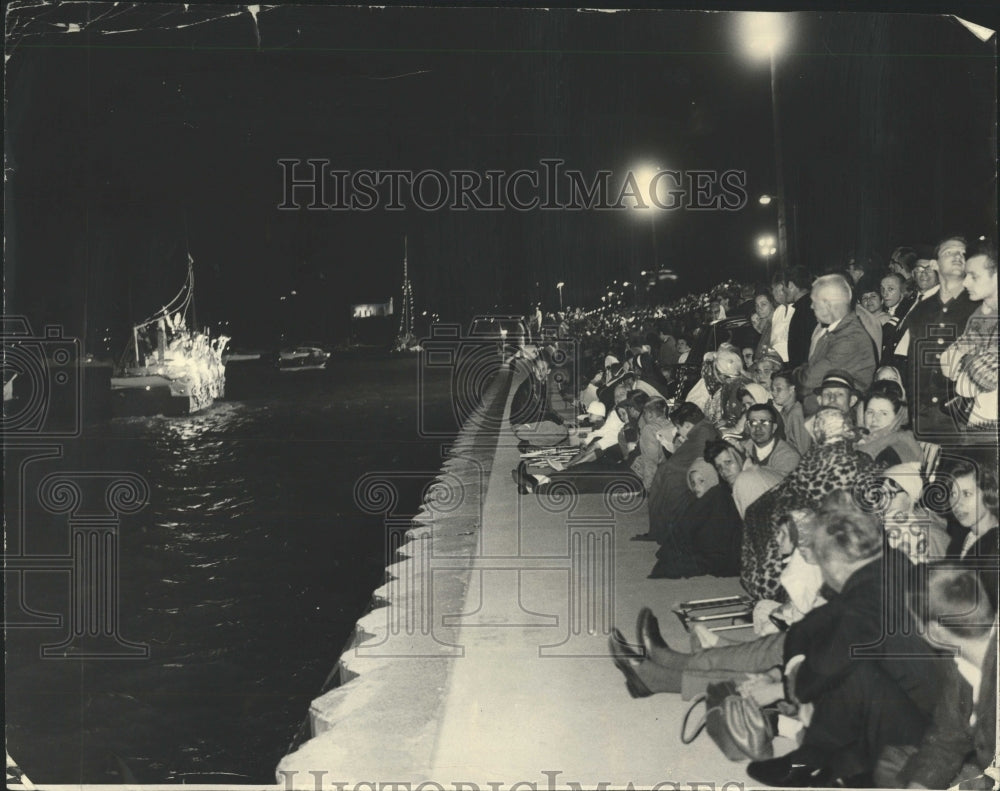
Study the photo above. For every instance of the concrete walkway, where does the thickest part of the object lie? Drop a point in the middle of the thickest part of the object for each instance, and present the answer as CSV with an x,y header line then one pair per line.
x,y
505,677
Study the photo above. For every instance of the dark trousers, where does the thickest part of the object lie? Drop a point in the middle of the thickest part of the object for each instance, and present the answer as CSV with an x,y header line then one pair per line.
x,y
856,720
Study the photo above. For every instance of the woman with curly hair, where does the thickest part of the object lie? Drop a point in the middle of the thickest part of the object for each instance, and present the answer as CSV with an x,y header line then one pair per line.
x,y
831,464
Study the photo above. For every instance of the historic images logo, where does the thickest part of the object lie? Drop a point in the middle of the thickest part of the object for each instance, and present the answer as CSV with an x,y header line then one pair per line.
x,y
315,184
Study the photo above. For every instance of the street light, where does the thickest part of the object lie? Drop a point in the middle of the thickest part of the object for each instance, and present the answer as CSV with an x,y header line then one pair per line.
x,y
766,248
560,285
764,35
649,177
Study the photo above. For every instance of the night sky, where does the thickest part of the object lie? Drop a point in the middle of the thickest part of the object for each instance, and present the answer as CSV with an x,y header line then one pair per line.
x,y
155,132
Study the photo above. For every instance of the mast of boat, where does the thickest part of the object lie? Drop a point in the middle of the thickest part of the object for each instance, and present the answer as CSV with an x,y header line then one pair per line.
x,y
406,304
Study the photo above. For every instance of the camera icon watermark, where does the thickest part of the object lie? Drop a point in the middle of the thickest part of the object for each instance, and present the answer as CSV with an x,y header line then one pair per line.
x,y
42,381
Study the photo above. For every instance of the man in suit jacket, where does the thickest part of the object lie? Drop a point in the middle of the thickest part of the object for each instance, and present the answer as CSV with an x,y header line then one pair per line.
x,y
839,341
798,285
872,681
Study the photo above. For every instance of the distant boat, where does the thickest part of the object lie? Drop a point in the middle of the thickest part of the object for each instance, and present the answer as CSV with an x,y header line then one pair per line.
x,y
302,358
167,368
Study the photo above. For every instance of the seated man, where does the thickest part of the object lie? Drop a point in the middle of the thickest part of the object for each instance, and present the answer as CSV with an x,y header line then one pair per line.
x,y
960,743
837,390
654,418
532,417
668,493
871,680
765,448
606,452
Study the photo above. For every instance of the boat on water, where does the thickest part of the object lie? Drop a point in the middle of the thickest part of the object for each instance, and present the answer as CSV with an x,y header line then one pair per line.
x,y
302,358
167,368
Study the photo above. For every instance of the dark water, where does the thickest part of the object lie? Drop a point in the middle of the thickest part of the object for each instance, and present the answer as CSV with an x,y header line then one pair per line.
x,y
244,575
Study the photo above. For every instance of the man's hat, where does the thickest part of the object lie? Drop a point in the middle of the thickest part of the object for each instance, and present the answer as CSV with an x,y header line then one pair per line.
x,y
596,409
837,378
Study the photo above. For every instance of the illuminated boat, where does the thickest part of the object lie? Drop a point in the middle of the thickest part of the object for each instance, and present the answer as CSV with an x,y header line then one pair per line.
x,y
303,358
168,369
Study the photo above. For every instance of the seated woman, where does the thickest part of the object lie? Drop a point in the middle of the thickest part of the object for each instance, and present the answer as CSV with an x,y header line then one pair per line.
x,y
974,504
766,365
885,415
909,527
706,540
831,464
747,395
724,405
760,319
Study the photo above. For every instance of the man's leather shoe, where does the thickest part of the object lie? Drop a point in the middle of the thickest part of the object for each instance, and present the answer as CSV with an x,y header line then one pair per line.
x,y
790,771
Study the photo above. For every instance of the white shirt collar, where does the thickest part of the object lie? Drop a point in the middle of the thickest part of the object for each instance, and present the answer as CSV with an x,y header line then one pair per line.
x,y
763,452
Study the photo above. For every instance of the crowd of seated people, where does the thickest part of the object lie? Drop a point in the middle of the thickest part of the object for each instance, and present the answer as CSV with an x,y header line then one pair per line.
x,y
799,454
830,482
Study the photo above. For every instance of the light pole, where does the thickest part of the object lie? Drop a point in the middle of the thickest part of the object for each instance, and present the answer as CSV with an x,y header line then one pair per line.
x,y
559,286
764,35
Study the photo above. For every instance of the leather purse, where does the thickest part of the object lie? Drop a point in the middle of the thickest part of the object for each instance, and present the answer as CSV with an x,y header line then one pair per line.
x,y
735,722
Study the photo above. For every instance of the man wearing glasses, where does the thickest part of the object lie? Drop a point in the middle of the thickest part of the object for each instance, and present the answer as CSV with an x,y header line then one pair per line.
x,y
765,448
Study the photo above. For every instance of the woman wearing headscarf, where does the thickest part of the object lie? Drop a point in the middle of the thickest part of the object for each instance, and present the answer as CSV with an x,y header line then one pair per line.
x,y
707,538
724,406
748,394
887,442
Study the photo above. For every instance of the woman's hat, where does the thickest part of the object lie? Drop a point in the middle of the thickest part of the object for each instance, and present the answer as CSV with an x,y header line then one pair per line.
x,y
907,477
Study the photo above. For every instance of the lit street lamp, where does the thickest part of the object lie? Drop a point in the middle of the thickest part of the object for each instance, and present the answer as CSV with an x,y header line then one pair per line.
x,y
766,248
560,285
764,35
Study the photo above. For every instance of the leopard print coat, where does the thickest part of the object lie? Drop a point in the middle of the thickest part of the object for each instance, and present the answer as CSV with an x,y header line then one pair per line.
x,y
824,469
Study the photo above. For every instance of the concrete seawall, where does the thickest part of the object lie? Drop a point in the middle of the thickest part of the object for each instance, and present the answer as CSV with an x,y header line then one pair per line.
x,y
394,675
488,666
